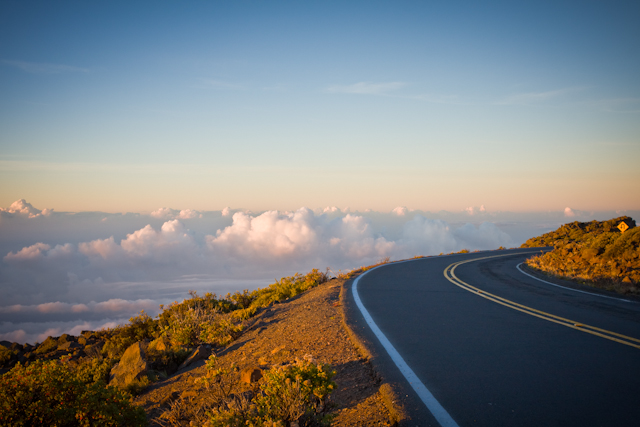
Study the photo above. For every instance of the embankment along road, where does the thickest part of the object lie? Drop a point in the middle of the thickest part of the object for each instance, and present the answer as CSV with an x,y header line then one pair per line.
x,y
470,340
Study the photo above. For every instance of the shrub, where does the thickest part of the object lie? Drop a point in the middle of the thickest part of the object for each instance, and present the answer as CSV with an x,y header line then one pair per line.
x,y
6,354
595,253
289,394
94,369
288,287
48,393
118,339
199,319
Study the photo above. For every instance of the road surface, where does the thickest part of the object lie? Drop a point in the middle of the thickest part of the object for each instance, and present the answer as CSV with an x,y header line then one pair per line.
x,y
491,346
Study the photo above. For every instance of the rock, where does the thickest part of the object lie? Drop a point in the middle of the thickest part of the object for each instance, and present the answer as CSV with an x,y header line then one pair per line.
x,y
94,350
200,353
48,345
160,344
277,349
82,340
188,393
69,345
132,366
169,398
251,375
66,338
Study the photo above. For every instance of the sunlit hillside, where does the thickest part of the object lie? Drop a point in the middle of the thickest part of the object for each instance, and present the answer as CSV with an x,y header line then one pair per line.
x,y
597,253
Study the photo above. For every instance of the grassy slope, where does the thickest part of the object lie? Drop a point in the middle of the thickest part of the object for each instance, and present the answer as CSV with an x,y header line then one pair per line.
x,y
595,253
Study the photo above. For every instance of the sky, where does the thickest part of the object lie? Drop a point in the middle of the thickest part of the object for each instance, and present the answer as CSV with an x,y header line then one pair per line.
x,y
120,107
151,148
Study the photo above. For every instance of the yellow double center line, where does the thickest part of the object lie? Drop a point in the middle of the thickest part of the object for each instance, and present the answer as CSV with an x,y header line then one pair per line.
x,y
449,273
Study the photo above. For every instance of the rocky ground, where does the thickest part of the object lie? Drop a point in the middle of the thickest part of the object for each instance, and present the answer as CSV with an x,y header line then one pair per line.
x,y
52,348
308,325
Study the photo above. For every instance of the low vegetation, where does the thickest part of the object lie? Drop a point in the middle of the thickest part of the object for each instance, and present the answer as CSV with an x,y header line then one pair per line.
x,y
294,394
596,253
63,381
52,393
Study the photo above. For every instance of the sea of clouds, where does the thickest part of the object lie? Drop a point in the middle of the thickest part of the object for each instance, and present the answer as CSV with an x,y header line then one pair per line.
x,y
64,272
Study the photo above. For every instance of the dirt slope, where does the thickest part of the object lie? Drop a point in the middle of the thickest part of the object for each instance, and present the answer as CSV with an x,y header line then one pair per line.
x,y
310,324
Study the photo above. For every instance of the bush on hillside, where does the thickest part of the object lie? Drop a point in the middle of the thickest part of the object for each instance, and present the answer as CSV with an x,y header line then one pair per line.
x,y
49,393
295,393
596,253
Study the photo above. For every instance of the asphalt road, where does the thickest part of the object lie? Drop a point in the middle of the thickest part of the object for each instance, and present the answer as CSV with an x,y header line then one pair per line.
x,y
492,363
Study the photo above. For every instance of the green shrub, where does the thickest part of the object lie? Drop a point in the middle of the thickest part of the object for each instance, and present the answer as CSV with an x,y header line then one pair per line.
x,y
6,354
594,253
94,369
49,393
287,394
118,339
288,287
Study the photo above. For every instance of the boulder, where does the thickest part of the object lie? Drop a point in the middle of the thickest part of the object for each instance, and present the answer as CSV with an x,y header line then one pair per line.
x,y
94,350
69,345
132,366
200,353
66,338
251,375
160,344
48,345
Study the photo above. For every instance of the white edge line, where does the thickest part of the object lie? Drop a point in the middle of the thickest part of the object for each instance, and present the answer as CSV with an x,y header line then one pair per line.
x,y
436,409
569,289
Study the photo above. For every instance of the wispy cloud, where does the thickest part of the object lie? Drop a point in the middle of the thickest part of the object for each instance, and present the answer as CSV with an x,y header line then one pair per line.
x,y
530,98
221,84
366,88
44,68
619,105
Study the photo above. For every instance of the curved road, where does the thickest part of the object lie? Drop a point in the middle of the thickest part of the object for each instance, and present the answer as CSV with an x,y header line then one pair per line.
x,y
494,347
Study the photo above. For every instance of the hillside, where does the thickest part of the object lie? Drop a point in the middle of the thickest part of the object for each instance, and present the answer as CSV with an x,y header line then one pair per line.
x,y
594,253
280,354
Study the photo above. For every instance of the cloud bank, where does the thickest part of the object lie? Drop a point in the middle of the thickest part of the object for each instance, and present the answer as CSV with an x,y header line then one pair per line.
x,y
96,267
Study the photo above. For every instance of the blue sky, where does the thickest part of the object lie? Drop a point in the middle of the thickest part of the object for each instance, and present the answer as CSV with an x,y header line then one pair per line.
x,y
277,105
214,123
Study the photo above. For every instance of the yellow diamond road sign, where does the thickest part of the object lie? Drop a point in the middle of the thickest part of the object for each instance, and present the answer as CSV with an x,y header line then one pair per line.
x,y
623,227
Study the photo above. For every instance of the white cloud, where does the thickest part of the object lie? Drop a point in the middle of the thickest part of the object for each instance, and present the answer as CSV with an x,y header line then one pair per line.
x,y
165,213
530,98
366,88
23,208
116,305
188,214
568,212
220,84
268,234
133,262
400,211
472,210
28,253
